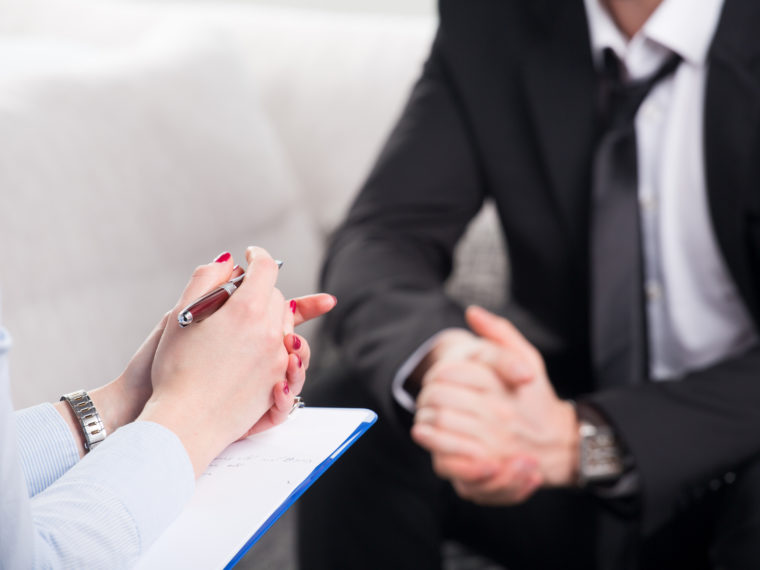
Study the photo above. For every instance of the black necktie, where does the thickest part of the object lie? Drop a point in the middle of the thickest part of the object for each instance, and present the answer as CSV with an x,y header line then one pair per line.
x,y
619,339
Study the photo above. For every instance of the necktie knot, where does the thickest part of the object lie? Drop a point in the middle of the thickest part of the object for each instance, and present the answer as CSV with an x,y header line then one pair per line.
x,y
620,99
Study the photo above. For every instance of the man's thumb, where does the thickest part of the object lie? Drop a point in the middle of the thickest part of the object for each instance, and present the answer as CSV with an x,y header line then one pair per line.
x,y
495,328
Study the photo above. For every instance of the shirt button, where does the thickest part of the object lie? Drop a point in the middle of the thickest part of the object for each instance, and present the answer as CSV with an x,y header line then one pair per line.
x,y
653,291
650,111
647,202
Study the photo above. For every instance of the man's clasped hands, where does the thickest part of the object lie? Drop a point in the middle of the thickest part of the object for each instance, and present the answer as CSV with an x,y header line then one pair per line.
x,y
489,415
234,374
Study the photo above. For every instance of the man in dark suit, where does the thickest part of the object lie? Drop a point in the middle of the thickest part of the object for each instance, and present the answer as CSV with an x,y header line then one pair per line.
x,y
619,425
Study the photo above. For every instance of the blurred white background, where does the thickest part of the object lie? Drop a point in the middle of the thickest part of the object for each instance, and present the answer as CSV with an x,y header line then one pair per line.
x,y
377,6
388,6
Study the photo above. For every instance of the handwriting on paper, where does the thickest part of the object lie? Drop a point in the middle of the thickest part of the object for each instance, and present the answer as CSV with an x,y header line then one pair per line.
x,y
240,461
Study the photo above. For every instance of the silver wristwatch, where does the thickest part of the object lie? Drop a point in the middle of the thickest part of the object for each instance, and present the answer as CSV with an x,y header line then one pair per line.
x,y
92,426
601,459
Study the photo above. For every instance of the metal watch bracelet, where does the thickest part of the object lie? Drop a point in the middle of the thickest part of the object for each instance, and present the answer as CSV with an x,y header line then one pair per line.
x,y
601,459
92,425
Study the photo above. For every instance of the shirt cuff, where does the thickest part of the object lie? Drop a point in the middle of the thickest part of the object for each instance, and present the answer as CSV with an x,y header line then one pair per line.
x,y
46,446
402,397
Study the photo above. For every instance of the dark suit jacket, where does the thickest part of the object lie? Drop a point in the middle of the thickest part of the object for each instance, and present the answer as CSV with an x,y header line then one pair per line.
x,y
505,109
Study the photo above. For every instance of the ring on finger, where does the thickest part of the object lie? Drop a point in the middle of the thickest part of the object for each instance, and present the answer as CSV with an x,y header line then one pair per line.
x,y
297,403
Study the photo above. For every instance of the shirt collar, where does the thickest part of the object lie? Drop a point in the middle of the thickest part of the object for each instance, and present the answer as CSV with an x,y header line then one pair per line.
x,y
677,26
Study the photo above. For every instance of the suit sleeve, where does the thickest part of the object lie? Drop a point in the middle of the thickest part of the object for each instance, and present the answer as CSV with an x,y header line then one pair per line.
x,y
685,433
388,262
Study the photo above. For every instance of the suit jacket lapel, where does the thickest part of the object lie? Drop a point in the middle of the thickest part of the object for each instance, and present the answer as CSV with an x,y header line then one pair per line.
x,y
732,118
560,88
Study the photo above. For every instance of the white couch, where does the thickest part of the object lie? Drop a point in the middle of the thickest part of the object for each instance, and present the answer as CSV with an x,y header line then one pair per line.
x,y
140,140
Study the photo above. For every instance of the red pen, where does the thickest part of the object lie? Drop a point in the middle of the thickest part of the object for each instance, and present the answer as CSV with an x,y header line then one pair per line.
x,y
211,302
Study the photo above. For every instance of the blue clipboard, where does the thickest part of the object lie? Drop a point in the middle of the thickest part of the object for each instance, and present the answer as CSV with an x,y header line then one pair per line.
x,y
251,484
305,484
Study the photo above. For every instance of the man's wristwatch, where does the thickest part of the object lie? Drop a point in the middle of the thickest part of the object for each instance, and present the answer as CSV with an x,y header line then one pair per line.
x,y
89,419
601,458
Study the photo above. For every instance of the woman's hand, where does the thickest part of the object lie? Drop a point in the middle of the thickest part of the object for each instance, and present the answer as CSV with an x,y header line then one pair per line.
x,y
121,401
283,396
214,380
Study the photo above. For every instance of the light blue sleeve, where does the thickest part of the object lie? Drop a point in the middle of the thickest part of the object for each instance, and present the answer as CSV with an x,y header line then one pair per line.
x,y
16,542
104,511
46,446
110,507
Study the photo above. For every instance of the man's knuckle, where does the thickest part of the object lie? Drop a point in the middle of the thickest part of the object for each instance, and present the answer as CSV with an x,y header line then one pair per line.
x,y
453,370
436,398
442,418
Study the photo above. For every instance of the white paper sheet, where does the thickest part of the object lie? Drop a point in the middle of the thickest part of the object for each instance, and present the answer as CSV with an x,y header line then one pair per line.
x,y
251,481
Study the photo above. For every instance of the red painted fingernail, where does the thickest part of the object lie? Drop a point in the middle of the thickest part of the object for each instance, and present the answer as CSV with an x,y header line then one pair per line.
x,y
285,388
223,257
299,361
296,342
293,306
235,268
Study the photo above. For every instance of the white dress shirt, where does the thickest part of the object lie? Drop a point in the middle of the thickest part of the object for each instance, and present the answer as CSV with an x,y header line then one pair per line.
x,y
101,512
695,316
